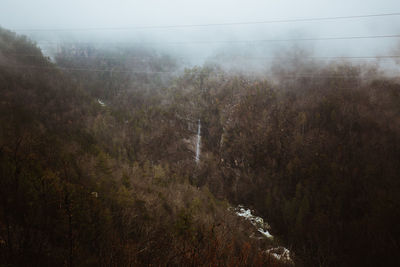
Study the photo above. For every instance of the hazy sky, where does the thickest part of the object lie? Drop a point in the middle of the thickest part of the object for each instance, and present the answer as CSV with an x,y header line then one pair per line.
x,y
95,13
54,14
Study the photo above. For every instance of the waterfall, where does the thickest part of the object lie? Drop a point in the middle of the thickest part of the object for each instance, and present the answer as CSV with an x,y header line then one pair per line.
x,y
198,142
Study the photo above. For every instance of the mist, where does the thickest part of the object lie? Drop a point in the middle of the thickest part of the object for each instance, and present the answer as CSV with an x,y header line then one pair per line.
x,y
188,30
199,133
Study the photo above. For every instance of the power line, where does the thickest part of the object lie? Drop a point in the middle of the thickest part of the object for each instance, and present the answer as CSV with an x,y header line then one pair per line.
x,y
84,69
223,57
319,57
213,24
234,41
295,76
85,57
377,57
357,57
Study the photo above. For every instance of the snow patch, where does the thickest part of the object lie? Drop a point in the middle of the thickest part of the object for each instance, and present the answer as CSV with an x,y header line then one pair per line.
x,y
258,222
101,103
280,253
265,233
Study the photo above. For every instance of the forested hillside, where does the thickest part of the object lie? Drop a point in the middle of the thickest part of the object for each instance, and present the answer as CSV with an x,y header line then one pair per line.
x,y
90,184
97,156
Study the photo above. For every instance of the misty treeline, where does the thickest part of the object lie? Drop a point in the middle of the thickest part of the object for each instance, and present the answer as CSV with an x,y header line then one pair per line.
x,y
98,169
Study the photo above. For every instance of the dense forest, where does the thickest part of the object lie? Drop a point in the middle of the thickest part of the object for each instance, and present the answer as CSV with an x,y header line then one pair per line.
x,y
97,160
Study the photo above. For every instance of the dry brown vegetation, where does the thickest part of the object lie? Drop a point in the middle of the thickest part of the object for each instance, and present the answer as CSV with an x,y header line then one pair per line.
x,y
84,184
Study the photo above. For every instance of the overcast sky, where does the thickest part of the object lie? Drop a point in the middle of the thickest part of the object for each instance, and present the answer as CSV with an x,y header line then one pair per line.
x,y
56,14
95,13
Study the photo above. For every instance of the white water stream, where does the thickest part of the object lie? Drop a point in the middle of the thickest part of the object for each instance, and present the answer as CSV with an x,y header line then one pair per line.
x,y
198,142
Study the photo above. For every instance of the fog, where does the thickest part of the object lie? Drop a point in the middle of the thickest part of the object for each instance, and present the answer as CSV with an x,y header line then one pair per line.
x,y
51,22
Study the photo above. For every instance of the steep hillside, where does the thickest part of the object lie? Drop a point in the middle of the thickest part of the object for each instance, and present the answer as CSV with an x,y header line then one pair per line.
x,y
114,157
84,183
318,156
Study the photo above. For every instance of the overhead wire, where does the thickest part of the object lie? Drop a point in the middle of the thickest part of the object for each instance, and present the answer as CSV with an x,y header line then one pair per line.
x,y
211,24
231,41
222,41
83,69
295,76
223,57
